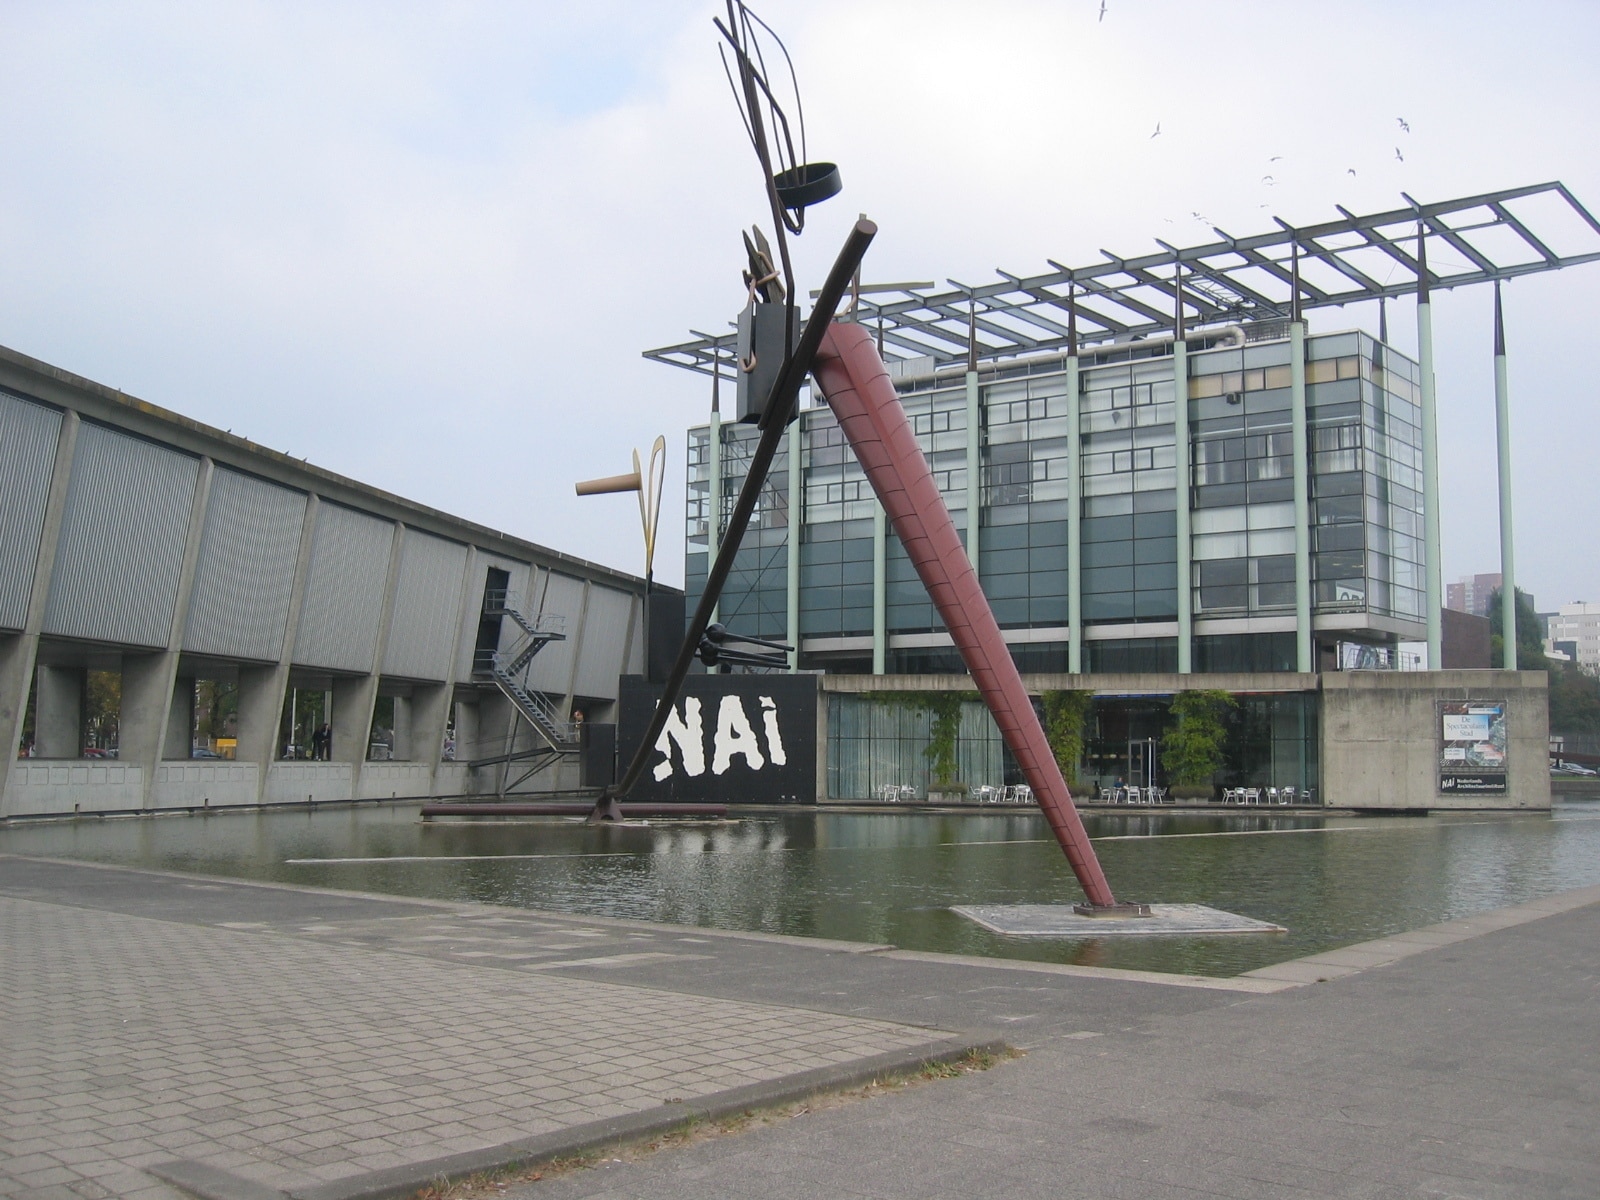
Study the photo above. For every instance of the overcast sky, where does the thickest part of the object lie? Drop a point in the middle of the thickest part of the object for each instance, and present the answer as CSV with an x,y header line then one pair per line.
x,y
424,244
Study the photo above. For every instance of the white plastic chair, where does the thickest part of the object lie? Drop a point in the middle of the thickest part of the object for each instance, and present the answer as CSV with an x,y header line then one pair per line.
x,y
1287,796
1252,795
1023,794
1133,795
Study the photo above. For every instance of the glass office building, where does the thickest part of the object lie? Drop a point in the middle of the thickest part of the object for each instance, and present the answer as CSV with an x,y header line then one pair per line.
x,y
818,563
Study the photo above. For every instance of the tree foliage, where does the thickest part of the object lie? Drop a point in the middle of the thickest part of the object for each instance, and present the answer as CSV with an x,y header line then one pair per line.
x,y
1574,693
945,709
1066,716
1530,634
1191,748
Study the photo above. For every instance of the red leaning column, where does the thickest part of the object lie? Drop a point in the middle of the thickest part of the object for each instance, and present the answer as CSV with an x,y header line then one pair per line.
x,y
862,396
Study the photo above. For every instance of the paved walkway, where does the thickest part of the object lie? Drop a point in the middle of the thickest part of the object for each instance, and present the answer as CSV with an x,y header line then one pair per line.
x,y
291,1053
331,1044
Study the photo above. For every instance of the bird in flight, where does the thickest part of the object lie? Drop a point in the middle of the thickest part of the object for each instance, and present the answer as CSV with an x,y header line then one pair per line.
x,y
1400,120
1102,15
1276,158
1398,155
1157,133
1350,171
1269,181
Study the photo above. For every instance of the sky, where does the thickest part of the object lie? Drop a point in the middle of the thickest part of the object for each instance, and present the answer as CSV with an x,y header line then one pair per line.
x,y
424,244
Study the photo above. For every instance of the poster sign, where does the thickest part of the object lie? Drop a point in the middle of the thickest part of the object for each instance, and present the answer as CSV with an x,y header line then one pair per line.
x,y
731,739
1472,747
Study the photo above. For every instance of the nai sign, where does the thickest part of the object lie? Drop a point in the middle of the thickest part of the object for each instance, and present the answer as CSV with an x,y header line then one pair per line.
x,y
730,739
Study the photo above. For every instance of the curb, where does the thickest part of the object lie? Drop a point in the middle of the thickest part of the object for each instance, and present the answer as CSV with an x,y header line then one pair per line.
x,y
211,1183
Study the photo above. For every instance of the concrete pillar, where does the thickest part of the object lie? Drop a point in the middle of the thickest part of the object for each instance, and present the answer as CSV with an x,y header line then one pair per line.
x,y
1183,452
58,713
466,717
796,529
427,717
1432,566
880,587
179,739
974,468
18,655
264,690
1502,424
165,666
1302,496
147,685
1074,519
354,698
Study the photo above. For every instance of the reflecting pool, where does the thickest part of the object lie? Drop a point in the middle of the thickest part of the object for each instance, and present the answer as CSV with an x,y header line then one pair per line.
x,y
892,876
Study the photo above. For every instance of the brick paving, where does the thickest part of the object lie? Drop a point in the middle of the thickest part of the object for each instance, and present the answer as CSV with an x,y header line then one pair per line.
x,y
289,1061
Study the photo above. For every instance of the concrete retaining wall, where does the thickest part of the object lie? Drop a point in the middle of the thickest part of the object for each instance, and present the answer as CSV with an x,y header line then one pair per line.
x,y
1380,737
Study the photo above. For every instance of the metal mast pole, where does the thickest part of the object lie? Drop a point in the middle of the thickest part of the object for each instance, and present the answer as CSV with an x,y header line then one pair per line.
x,y
1502,424
1430,462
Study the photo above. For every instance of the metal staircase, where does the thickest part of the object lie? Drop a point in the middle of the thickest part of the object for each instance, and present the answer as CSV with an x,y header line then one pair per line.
x,y
509,670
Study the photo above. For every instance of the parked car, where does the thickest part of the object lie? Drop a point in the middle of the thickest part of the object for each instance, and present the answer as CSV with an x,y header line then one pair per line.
x,y
1572,768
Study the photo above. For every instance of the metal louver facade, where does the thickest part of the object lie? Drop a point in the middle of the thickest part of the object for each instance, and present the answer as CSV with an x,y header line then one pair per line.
x,y
28,437
244,578
427,592
343,604
122,539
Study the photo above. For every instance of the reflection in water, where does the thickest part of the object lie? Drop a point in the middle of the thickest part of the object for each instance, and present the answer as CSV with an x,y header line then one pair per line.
x,y
892,877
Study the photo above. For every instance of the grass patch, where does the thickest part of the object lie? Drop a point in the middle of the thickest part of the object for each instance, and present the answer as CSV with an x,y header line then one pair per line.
x,y
694,1130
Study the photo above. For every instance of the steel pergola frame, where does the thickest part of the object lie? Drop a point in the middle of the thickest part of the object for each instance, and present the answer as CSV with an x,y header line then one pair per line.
x,y
1233,279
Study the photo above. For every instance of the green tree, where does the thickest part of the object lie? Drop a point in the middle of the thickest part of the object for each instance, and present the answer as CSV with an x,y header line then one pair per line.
x,y
945,709
1066,716
1530,634
1191,747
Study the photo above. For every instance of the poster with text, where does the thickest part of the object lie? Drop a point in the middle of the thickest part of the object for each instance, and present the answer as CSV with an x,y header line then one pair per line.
x,y
1472,747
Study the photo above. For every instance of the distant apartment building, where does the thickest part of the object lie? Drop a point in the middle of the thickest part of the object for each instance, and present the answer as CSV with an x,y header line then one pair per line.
x,y
1470,594
1575,629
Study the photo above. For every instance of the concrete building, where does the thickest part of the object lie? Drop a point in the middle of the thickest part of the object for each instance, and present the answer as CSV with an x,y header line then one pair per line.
x,y
1575,629
148,562
1166,481
1470,593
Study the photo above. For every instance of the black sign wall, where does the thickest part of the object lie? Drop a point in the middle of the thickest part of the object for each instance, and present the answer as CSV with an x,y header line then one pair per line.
x,y
732,739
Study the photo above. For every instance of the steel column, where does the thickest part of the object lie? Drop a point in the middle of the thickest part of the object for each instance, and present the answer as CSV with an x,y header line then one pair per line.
x,y
1074,520
792,560
1183,453
1434,576
714,517
974,466
1502,425
880,589
1302,497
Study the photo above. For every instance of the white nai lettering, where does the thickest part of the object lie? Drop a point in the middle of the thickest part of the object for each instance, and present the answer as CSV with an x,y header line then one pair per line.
x,y
734,736
689,733
769,718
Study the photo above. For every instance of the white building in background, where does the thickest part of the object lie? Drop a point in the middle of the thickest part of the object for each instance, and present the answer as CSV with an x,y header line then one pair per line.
x,y
1577,624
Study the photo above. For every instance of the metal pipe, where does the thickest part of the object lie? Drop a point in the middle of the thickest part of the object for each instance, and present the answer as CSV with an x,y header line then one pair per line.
x,y
862,395
773,425
791,574
1233,332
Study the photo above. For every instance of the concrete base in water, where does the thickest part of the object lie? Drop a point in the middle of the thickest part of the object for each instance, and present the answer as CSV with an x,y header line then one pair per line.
x,y
1058,920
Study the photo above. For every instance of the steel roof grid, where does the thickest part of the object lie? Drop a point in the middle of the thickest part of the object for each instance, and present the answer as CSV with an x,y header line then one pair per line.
x,y
1230,280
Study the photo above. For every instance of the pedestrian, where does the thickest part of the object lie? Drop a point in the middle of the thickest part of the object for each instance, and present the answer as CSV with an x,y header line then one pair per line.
x,y
322,742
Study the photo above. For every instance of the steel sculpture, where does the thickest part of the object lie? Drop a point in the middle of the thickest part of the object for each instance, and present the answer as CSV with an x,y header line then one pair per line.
x,y
851,373
858,388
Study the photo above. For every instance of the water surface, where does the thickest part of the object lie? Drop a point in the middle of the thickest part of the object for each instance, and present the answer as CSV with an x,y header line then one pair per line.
x,y
892,876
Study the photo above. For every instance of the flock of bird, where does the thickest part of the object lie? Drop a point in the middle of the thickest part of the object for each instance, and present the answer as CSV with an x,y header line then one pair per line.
x,y
1269,180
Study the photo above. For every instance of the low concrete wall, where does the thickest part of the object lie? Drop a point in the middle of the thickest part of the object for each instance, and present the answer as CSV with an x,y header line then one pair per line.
x,y
296,782
1380,737
35,788
205,784
397,780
